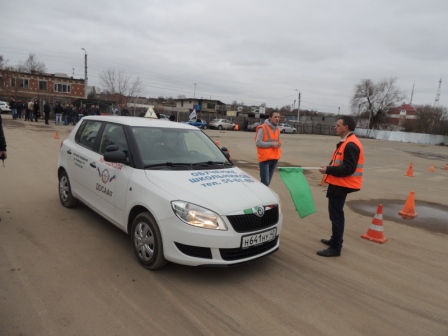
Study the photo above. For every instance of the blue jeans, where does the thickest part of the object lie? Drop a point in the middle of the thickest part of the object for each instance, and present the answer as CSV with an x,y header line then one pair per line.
x,y
336,212
58,118
14,114
267,169
66,119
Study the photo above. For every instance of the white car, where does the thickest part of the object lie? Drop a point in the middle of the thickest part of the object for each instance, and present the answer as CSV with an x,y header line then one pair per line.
x,y
170,187
4,107
287,128
222,124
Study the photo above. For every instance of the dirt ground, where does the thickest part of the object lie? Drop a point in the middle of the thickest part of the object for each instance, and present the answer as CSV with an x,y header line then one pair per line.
x,y
69,272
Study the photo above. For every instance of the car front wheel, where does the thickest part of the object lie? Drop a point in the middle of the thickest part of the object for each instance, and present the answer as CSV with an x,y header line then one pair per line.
x,y
65,191
283,131
220,127
146,242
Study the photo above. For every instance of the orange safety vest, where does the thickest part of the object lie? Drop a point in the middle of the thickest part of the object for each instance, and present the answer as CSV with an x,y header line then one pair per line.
x,y
353,181
270,153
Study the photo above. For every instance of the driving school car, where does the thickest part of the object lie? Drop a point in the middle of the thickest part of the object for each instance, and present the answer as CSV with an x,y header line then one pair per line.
x,y
168,186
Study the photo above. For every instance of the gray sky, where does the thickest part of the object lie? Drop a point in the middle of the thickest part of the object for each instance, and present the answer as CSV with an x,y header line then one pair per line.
x,y
249,51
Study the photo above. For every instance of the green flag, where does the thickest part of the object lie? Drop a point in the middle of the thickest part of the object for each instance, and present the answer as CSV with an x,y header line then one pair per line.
x,y
300,190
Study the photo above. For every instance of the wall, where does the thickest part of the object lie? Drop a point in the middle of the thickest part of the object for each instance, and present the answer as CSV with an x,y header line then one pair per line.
x,y
419,138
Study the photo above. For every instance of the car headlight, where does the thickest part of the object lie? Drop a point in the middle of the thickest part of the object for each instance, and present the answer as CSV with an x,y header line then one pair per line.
x,y
196,215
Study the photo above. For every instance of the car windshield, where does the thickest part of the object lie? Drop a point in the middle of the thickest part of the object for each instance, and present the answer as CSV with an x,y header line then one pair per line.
x,y
185,148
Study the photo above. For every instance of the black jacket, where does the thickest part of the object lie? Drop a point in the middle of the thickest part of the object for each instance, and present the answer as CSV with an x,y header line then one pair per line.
x,y
348,167
2,137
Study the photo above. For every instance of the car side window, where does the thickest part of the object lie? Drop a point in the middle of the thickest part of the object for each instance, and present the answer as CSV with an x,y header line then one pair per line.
x,y
87,133
113,134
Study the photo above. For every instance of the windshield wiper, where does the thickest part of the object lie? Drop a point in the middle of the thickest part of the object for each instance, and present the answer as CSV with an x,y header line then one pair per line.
x,y
210,163
167,164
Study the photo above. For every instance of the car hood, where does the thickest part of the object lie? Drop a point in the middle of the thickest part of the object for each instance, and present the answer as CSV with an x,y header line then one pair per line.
x,y
222,190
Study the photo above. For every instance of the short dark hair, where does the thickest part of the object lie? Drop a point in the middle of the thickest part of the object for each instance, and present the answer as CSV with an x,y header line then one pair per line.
x,y
272,113
348,121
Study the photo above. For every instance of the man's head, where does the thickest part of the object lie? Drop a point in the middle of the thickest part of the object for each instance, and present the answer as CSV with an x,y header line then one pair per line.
x,y
345,125
274,117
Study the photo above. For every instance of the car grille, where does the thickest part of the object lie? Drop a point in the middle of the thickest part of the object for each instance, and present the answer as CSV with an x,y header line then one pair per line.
x,y
195,251
251,222
239,253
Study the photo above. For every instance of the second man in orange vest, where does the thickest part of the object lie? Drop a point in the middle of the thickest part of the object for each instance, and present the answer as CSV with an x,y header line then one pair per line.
x,y
344,175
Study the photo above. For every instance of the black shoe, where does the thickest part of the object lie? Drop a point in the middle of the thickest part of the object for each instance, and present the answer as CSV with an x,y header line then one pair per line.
x,y
326,241
329,252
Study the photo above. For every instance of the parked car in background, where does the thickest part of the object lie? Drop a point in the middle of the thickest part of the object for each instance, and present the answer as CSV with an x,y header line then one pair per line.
x,y
222,124
197,122
171,189
253,127
163,116
4,107
287,128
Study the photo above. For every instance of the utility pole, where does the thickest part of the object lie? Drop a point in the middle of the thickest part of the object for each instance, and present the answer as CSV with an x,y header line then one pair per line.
x,y
298,112
85,72
412,94
436,101
194,93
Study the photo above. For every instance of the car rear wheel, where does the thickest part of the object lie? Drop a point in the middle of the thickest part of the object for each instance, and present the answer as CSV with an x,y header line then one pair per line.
x,y
146,242
294,132
65,191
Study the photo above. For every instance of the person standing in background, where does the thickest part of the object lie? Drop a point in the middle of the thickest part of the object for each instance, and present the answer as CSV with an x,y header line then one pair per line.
x,y
267,140
47,110
3,152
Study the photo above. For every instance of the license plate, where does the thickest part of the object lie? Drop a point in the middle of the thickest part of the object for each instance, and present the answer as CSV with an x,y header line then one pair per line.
x,y
258,238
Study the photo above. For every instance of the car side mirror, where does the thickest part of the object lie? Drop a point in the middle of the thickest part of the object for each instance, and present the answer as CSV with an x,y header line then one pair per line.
x,y
114,155
226,153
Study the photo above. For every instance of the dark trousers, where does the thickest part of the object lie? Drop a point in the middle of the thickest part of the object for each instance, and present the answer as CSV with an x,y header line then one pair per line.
x,y
336,212
47,117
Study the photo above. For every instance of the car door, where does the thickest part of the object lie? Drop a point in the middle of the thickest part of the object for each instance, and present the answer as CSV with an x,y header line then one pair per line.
x,y
80,157
111,179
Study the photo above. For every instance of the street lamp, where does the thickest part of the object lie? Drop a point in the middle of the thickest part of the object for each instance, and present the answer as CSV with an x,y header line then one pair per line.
x,y
298,111
85,65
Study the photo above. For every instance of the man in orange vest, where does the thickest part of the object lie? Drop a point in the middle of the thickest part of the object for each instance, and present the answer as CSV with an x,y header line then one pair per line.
x,y
267,140
344,175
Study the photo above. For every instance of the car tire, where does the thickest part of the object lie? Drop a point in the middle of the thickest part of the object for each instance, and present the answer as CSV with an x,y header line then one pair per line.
x,y
220,127
146,241
65,191
283,131
233,128
294,132
205,127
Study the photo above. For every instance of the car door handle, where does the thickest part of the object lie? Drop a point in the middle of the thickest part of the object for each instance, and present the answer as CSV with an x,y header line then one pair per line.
x,y
69,151
93,164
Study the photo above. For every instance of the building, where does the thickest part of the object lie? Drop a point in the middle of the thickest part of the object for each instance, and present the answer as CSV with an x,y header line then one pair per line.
x,y
402,116
43,86
200,105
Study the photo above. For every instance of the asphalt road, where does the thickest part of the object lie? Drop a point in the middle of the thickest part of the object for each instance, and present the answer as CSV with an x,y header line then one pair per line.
x,y
69,272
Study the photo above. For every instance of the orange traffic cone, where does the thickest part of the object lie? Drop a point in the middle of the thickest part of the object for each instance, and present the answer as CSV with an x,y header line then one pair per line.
x,y
237,127
408,212
446,166
410,171
217,143
375,232
432,169
56,136
322,182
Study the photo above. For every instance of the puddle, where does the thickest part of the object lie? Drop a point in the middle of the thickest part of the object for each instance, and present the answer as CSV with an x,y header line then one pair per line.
x,y
430,216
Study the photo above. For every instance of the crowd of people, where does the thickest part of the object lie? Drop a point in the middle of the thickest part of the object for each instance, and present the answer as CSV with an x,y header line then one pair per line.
x,y
64,114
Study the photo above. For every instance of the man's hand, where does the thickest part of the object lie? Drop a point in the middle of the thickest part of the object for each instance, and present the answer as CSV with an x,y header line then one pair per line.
x,y
323,169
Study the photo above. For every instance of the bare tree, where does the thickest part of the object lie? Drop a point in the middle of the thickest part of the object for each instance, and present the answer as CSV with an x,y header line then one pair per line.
x,y
430,120
32,65
377,99
116,83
